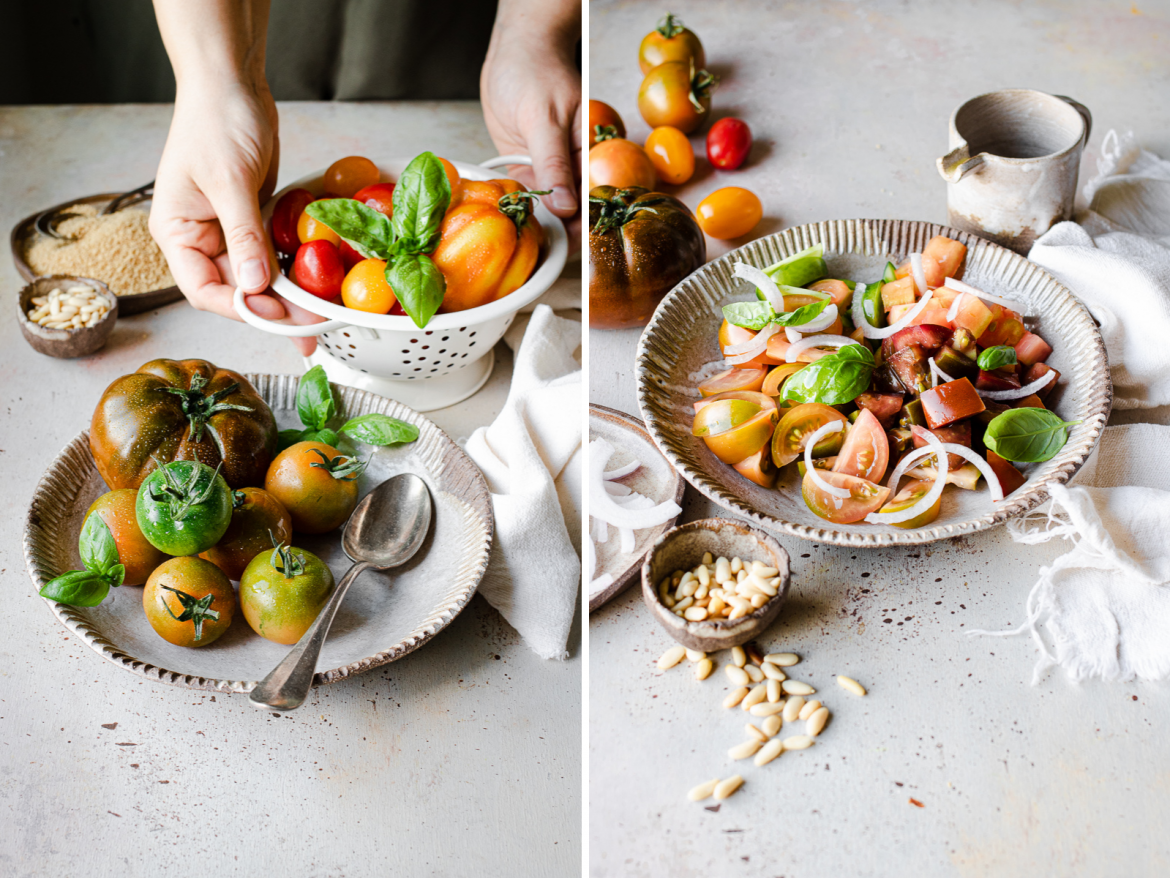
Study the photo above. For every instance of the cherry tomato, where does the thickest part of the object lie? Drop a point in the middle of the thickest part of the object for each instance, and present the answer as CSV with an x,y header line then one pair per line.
x,y
907,497
621,164
730,212
319,269
864,497
349,256
604,123
728,143
676,94
732,379
258,518
758,468
671,154
380,197
865,452
744,440
135,551
309,229
762,402
800,422
316,484
670,41
723,415
365,288
774,382
281,600
176,605
285,217
346,176
452,177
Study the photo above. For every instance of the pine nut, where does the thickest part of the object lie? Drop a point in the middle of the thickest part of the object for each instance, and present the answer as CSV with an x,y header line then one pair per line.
x,y
744,750
738,602
695,614
769,752
725,788
722,570
695,655
753,653
669,602
809,709
782,659
766,708
758,601
703,790
701,592
738,613
798,742
792,708
736,565
735,697
771,725
850,684
773,673
736,675
753,732
703,668
687,588
738,656
816,722
797,687
754,673
763,571
683,604
762,586
704,575
758,694
707,559
672,657
716,606
741,576
773,689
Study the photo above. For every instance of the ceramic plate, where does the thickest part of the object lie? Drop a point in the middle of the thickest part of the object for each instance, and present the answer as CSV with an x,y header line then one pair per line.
x,y
655,479
385,615
680,347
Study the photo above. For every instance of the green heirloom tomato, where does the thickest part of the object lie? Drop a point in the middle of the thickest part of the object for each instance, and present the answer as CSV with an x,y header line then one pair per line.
x,y
283,591
184,507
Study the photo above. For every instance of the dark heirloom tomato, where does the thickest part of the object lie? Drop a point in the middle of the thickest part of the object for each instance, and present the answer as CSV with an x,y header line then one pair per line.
x,y
189,602
135,551
283,591
182,410
316,484
677,94
604,123
950,402
641,244
258,518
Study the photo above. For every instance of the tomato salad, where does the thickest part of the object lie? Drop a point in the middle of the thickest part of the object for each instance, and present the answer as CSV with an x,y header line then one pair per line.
x,y
844,378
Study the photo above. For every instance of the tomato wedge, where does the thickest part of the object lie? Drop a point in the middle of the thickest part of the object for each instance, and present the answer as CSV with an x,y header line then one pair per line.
x,y
730,334
774,382
723,415
838,289
800,422
758,468
907,497
866,450
733,379
744,440
752,396
864,497
1010,478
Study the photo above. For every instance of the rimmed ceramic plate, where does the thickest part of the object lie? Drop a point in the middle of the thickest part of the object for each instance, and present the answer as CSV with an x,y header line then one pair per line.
x,y
680,347
385,615
655,479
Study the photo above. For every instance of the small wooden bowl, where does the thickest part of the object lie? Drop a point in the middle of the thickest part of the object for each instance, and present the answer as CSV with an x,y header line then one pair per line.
x,y
66,343
681,549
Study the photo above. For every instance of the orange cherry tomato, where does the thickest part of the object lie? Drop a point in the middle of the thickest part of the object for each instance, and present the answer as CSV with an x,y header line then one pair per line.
x,y
744,440
365,288
308,229
452,177
758,468
346,176
774,382
670,41
621,164
604,123
730,212
732,379
671,154
754,397
676,93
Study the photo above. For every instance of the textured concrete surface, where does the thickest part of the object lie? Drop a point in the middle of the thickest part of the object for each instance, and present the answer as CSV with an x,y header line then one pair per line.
x,y
848,103
463,758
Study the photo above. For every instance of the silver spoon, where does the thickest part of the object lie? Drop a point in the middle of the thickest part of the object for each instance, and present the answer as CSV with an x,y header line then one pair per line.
x,y
386,529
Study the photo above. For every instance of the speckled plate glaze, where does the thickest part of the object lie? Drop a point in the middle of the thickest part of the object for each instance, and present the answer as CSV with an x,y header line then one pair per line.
x,y
655,479
679,348
385,616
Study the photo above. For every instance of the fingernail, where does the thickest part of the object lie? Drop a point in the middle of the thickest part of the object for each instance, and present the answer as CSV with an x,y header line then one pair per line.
x,y
252,274
563,198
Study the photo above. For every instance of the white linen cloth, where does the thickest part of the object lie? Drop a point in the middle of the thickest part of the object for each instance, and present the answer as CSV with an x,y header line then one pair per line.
x,y
529,456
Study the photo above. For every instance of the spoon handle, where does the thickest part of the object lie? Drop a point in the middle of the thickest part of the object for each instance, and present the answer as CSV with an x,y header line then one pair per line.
x,y
288,684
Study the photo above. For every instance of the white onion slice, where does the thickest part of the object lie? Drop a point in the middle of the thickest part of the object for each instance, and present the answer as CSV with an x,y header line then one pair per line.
x,y
603,507
792,335
919,272
590,558
763,283
858,311
1019,392
622,471
928,499
870,331
600,531
936,373
757,342
634,501
605,580
979,294
821,322
908,462
617,489
816,341
980,464
831,427
954,309
626,534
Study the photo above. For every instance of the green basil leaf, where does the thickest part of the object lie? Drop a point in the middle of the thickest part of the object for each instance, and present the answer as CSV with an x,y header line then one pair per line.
x,y
98,550
749,315
78,588
287,438
1027,435
315,399
997,357
802,315
418,284
367,230
376,429
800,268
116,575
833,380
421,198
329,437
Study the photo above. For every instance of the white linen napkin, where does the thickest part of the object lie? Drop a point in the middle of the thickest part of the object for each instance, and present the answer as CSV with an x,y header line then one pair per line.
x,y
527,456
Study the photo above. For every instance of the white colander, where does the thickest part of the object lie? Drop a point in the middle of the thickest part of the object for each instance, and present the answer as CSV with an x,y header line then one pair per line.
x,y
427,368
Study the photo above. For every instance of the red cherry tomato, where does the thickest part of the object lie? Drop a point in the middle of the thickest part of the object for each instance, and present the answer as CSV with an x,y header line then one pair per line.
x,y
728,143
319,269
284,219
349,256
380,196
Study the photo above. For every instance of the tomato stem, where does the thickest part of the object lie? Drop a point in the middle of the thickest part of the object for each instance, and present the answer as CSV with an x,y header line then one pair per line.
x,y
194,609
670,26
199,406
518,205
703,82
344,469
181,497
616,211
604,132
290,564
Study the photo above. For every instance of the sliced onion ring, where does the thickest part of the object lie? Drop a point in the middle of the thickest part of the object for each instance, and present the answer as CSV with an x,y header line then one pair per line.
x,y
605,580
919,272
793,335
762,282
603,507
626,535
936,373
622,471
928,499
870,331
756,343
617,489
815,341
600,531
979,294
590,558
821,322
980,464
831,427
1019,392
858,311
954,309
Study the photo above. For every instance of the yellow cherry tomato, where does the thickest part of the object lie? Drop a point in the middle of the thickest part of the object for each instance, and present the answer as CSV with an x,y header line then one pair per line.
x,y
730,212
308,229
349,175
365,288
671,154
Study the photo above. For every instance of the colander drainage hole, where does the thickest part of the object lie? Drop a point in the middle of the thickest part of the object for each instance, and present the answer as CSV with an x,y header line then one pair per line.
x,y
405,351
446,338
442,350
471,345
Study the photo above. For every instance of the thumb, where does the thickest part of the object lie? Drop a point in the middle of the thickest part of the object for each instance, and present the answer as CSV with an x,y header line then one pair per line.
x,y
243,234
553,169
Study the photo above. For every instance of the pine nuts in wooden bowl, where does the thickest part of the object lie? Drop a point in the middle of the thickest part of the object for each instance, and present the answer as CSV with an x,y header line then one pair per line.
x,y
745,602
67,316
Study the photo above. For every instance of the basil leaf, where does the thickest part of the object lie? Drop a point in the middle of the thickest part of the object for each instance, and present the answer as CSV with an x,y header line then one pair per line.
x,y
315,399
421,197
329,437
377,429
802,315
78,588
757,315
833,380
997,357
367,230
98,550
288,438
1027,435
800,268
418,284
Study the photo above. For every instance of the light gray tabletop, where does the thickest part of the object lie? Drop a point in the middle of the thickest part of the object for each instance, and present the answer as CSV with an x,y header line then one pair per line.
x,y
462,758
848,104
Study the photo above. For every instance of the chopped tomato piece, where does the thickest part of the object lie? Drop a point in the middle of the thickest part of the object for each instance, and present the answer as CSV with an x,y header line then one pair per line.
x,y
910,365
838,289
1032,349
947,252
959,434
866,451
744,440
1006,327
997,380
1032,401
927,336
776,378
733,379
800,422
932,271
931,316
974,316
885,406
864,497
898,292
762,400
758,468
950,402
907,497
1009,477
1038,371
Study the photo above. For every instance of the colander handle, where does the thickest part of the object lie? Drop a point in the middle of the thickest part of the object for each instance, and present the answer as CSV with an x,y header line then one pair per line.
x,y
502,160
289,330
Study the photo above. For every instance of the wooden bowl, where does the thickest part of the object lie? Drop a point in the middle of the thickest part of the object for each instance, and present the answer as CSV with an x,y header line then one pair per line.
x,y
681,548
66,343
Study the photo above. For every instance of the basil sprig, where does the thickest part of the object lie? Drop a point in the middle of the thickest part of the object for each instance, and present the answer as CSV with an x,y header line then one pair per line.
x,y
997,357
421,198
757,315
834,380
1027,435
103,568
316,408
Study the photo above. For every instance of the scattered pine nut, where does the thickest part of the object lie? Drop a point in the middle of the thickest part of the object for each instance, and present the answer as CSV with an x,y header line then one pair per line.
x,y
769,752
773,689
735,697
809,709
754,732
782,659
703,790
816,722
850,684
725,788
672,657
703,668
773,673
738,676
707,559
797,687
792,708
695,614
736,566
744,750
754,673
798,742
757,695
695,655
738,656
766,708
771,725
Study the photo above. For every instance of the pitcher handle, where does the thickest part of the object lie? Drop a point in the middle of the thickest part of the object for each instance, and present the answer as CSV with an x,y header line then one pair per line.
x,y
957,163
1085,114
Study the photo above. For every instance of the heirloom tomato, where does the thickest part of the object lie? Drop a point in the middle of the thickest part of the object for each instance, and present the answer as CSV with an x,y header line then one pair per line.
x,y
604,123
621,164
258,518
670,41
282,592
184,507
135,551
316,484
189,602
677,94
